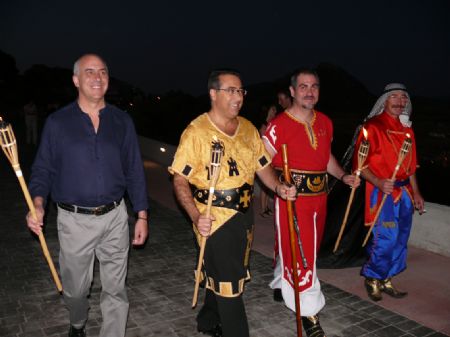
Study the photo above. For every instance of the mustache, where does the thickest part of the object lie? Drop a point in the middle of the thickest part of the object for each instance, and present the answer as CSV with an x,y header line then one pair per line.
x,y
401,106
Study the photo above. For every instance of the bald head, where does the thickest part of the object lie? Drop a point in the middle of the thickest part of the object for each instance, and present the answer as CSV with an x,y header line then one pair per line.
x,y
76,65
91,79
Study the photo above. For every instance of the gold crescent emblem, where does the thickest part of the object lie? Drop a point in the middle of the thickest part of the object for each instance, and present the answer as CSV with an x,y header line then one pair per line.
x,y
316,185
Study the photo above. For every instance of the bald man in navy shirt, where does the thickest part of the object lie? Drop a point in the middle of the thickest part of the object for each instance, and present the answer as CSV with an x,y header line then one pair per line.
x,y
87,160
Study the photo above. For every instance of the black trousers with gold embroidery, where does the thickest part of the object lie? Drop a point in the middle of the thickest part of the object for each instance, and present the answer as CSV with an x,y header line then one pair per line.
x,y
226,269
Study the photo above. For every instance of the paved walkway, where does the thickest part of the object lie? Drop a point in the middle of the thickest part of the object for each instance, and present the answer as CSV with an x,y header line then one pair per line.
x,y
160,285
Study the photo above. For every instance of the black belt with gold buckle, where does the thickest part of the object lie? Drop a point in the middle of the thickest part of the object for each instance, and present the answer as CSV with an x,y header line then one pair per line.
x,y
309,182
238,198
100,210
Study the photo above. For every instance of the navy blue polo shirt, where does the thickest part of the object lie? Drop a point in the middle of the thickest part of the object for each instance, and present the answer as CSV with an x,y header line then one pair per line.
x,y
76,165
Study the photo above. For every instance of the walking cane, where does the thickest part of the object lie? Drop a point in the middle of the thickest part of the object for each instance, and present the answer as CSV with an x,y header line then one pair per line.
x,y
9,147
287,178
217,151
406,146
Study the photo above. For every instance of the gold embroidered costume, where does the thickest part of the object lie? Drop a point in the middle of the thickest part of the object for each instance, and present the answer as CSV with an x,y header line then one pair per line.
x,y
244,154
232,231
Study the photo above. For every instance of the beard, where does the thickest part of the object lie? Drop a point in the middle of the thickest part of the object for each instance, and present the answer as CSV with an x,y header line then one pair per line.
x,y
308,106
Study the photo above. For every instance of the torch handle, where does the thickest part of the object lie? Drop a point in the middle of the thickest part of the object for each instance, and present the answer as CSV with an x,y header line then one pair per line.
x,y
203,238
26,193
374,220
347,212
198,270
397,167
41,235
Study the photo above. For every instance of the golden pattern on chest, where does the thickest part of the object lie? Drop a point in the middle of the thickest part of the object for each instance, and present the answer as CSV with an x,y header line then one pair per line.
x,y
396,145
233,167
309,129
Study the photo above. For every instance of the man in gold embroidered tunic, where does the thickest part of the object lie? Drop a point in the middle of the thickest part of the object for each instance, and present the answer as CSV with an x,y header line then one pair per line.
x,y
230,227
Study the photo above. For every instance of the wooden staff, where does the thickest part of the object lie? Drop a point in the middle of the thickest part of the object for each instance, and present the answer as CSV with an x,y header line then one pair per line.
x,y
9,147
217,151
406,146
362,155
290,206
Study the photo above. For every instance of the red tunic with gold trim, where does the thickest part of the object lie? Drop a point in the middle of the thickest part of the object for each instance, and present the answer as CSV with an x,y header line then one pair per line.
x,y
309,149
386,135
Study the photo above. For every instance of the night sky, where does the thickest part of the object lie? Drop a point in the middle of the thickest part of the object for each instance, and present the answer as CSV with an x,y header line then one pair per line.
x,y
159,46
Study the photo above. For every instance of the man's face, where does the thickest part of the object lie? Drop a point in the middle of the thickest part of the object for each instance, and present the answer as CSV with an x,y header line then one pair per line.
x,y
284,101
306,94
396,103
92,78
271,113
227,103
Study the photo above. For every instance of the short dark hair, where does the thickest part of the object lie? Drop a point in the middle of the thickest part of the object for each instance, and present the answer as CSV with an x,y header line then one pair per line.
x,y
303,71
285,91
214,77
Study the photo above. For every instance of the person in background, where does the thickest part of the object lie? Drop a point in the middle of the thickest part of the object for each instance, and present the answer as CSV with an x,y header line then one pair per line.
x,y
31,122
264,193
284,98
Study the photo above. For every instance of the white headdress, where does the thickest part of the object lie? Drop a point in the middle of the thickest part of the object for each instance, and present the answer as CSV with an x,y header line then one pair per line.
x,y
377,109
379,104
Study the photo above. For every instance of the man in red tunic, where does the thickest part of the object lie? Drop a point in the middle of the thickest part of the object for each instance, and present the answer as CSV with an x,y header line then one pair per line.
x,y
308,135
387,128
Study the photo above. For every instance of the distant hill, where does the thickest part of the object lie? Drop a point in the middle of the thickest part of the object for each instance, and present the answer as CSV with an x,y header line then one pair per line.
x,y
163,117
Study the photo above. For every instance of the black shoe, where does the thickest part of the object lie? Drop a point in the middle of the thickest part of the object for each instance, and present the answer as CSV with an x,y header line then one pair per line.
x,y
312,327
74,332
215,332
267,212
277,295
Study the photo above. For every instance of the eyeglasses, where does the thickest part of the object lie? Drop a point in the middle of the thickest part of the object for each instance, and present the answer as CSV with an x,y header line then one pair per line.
x,y
233,90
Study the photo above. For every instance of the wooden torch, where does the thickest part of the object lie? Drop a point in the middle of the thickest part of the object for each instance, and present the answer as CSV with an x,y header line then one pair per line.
x,y
9,147
217,151
404,150
362,155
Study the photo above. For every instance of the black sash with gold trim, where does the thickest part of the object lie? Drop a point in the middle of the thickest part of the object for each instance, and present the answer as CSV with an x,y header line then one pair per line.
x,y
238,198
308,182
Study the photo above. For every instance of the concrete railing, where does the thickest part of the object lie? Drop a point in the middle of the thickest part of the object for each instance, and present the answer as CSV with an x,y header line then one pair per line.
x,y
156,151
431,231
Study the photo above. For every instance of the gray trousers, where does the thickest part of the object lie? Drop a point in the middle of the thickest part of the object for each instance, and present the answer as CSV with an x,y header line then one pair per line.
x,y
82,238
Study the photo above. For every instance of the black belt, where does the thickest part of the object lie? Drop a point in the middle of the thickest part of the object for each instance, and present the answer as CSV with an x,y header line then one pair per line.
x,y
100,210
308,182
238,198
401,183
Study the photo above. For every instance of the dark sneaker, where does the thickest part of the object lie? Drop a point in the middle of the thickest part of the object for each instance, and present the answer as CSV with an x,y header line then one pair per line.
x,y
277,295
312,327
267,212
74,332
215,332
